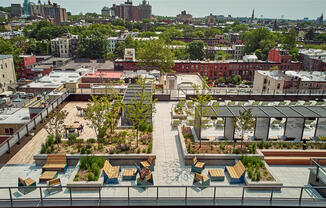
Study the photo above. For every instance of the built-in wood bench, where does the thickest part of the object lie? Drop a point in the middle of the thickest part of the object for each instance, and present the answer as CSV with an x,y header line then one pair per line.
x,y
55,163
111,173
236,172
286,160
47,175
129,174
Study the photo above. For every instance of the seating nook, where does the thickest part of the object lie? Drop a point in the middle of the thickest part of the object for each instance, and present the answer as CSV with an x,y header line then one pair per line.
x,y
236,172
55,163
26,186
111,173
201,180
196,166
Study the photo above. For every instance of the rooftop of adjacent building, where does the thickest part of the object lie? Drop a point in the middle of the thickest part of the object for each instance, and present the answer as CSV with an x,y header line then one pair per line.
x,y
5,57
314,76
104,74
14,116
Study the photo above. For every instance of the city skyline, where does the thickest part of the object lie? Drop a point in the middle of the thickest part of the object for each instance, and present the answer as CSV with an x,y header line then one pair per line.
x,y
267,9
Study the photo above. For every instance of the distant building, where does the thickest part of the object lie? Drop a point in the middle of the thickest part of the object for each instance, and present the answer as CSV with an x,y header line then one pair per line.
x,y
145,10
16,10
279,81
3,15
65,46
320,19
313,59
211,20
128,11
279,56
50,11
130,54
113,43
250,58
252,16
106,11
27,8
7,72
238,51
30,69
184,17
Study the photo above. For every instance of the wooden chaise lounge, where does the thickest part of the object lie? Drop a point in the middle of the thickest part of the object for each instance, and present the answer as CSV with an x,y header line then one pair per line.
x,y
26,186
236,172
54,185
111,173
196,166
149,163
55,163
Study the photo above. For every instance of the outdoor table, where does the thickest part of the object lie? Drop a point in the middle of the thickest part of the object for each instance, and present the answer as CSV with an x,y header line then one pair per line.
x,y
129,174
216,174
48,175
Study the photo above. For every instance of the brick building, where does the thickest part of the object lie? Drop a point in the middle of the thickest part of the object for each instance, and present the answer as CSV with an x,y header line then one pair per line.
x,y
215,69
129,12
30,69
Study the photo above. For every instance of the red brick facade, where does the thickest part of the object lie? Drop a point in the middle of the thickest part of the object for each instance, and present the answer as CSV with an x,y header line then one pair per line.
x,y
29,70
214,70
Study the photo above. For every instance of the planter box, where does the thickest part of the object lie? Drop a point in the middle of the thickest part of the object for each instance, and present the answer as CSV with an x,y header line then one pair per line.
x,y
115,159
84,185
178,116
264,185
210,159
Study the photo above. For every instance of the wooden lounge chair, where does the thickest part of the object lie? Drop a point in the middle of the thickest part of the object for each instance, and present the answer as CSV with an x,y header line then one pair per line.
x,y
55,163
48,175
201,179
196,166
129,174
26,186
149,163
236,172
54,185
111,173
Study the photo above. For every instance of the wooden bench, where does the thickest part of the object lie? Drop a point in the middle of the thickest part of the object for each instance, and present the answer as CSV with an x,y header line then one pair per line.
x,y
55,163
111,173
196,166
26,186
54,185
216,175
236,172
148,164
129,174
201,180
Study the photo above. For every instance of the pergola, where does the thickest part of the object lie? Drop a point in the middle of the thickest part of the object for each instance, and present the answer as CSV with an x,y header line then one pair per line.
x,y
130,96
294,125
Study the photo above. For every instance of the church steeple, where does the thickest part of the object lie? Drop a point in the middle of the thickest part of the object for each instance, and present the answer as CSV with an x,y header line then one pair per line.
x,y
253,15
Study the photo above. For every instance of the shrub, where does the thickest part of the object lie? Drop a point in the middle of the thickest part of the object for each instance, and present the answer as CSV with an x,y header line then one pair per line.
x,y
79,141
144,150
89,151
91,140
43,149
150,128
58,139
138,151
262,144
189,148
91,177
72,138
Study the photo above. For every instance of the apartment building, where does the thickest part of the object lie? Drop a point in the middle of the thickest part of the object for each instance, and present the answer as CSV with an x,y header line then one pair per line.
x,y
7,72
65,46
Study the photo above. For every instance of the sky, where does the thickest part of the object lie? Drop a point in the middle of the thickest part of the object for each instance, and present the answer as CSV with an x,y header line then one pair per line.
x,y
288,9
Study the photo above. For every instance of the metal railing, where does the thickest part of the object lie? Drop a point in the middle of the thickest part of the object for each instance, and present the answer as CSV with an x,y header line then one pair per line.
x,y
320,171
6,146
229,194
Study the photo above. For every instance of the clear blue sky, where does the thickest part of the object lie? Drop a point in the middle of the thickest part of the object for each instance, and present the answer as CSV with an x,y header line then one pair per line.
x,y
292,9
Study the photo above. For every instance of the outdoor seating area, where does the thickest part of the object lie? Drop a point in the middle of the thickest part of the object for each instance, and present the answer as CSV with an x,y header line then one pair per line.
x,y
55,163
148,164
145,177
216,175
47,176
236,172
129,174
54,186
201,179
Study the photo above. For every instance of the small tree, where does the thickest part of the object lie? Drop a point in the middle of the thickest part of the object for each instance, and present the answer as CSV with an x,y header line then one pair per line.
x,y
55,126
244,122
98,113
202,99
114,105
141,107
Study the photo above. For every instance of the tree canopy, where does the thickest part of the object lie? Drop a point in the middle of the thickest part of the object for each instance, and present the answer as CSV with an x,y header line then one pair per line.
x,y
196,50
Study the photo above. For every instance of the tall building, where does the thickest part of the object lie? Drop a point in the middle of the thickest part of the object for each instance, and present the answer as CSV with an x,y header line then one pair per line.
x,y
27,8
51,11
65,46
16,10
145,10
7,72
320,19
184,17
129,12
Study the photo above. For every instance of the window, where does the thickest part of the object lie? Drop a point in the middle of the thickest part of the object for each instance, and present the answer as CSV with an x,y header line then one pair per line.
x,y
9,131
278,86
265,81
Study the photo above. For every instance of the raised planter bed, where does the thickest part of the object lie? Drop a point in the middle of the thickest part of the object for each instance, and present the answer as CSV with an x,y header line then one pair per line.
x,y
84,185
209,159
275,185
176,115
126,159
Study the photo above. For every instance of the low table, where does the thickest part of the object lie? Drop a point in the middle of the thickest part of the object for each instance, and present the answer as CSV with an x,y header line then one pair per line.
x,y
129,174
48,175
216,174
